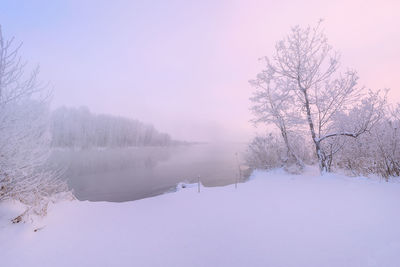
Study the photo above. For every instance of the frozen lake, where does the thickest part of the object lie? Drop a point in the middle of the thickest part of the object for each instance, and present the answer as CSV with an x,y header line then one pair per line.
x,y
124,174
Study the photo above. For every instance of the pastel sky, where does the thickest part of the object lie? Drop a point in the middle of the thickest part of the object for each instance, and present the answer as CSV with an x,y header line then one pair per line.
x,y
183,65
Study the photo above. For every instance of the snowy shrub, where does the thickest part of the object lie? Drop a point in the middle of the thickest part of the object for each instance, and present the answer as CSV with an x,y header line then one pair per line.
x,y
377,151
270,151
25,142
265,153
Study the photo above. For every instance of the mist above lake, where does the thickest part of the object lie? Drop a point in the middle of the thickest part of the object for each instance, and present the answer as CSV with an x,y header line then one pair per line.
x,y
123,174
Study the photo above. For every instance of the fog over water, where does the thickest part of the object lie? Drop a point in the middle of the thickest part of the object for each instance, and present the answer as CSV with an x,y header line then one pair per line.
x,y
123,174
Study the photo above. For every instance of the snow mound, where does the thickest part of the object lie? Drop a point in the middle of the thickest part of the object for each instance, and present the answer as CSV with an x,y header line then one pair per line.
x,y
185,185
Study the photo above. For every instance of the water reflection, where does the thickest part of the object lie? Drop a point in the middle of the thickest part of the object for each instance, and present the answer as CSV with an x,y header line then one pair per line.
x,y
132,173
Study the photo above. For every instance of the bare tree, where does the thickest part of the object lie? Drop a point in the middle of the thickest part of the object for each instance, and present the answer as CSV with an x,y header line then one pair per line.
x,y
305,68
24,139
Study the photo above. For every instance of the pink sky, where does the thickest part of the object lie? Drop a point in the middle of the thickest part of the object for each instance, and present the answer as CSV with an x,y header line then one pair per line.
x,y
184,65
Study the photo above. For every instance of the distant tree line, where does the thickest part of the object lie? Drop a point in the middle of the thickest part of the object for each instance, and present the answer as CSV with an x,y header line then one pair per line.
x,y
79,128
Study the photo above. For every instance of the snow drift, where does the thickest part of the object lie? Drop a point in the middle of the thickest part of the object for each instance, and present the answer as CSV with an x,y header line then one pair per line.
x,y
275,219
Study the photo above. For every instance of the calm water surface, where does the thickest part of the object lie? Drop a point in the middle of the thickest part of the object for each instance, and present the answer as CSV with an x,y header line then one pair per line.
x,y
124,174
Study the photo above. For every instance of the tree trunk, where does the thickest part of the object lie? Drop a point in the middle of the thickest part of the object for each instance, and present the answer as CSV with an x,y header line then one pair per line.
x,y
320,154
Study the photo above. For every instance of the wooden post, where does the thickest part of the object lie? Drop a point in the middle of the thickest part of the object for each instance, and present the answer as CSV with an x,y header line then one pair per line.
x,y
236,181
239,175
198,184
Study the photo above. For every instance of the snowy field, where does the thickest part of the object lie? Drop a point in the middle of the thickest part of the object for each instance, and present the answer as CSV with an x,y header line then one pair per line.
x,y
275,219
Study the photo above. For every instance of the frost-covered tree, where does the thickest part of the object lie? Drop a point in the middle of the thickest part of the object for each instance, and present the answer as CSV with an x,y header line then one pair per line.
x,y
272,104
24,139
305,70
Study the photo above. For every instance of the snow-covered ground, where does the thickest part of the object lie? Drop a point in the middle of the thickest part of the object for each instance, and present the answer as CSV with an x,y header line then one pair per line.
x,y
275,219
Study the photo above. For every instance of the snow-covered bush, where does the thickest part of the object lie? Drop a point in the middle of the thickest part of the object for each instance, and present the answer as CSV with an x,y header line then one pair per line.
x,y
377,152
270,151
265,152
24,136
